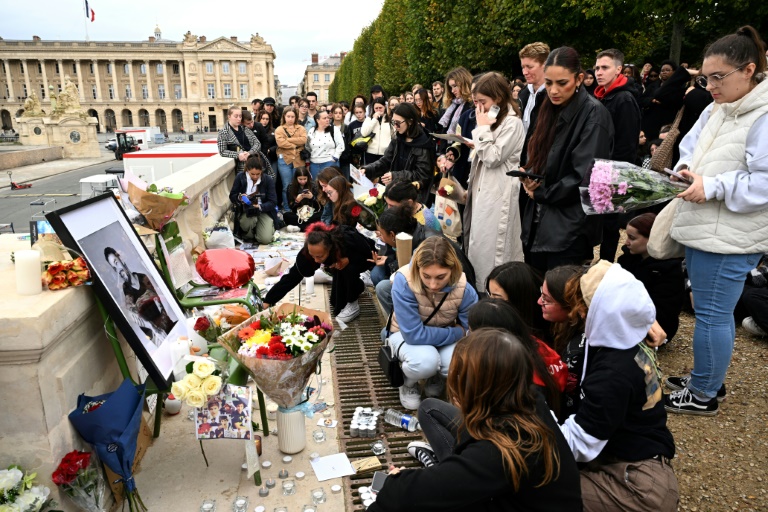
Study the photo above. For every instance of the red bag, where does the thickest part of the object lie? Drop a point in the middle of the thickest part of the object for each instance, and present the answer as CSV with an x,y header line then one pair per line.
x,y
225,268
554,364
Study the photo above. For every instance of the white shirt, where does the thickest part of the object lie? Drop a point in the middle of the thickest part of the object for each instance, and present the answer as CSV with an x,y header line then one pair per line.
x,y
323,146
529,106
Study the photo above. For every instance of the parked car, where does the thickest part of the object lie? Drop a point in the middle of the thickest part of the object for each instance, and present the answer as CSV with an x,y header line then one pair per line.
x,y
111,144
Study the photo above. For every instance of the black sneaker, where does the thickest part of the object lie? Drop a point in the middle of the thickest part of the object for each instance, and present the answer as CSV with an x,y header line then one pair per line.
x,y
683,402
678,383
423,452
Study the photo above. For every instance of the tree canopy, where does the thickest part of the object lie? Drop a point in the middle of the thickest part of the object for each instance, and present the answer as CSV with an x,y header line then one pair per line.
x,y
418,41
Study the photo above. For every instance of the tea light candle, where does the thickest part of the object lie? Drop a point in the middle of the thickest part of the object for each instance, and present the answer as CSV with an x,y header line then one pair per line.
x,y
260,508
28,272
263,492
287,459
270,483
289,487
266,464
336,489
283,473
300,475
314,455
318,496
308,508
310,285
208,506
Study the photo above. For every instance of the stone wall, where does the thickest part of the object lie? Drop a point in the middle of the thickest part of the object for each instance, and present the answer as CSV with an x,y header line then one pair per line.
x,y
13,159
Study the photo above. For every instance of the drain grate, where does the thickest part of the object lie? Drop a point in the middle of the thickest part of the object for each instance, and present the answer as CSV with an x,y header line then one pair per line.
x,y
359,382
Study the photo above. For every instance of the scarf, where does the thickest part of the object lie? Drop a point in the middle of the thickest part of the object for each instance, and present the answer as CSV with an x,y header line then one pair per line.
x,y
601,92
451,116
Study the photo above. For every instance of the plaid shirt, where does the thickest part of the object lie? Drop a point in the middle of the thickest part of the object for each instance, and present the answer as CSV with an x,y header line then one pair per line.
x,y
227,139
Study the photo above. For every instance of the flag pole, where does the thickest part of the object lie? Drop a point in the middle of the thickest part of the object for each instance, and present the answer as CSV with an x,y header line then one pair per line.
x,y
87,17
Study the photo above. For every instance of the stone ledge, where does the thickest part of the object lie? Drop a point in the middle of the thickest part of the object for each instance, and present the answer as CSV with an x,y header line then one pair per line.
x,y
14,159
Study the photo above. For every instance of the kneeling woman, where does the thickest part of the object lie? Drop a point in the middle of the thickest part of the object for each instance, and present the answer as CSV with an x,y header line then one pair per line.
x,y
302,200
253,196
431,300
344,252
497,449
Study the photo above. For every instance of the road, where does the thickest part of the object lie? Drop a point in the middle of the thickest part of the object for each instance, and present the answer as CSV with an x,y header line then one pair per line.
x,y
64,188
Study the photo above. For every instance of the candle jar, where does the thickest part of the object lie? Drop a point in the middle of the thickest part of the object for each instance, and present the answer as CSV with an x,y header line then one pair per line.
x,y
309,508
281,509
318,435
208,506
257,441
378,448
240,504
318,496
289,487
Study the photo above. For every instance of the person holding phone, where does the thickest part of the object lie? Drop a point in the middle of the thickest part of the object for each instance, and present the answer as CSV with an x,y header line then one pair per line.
x,y
491,217
377,126
302,200
254,200
572,129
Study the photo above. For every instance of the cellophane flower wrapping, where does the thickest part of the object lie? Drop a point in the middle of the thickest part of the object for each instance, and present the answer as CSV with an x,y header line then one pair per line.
x,y
617,187
80,477
283,380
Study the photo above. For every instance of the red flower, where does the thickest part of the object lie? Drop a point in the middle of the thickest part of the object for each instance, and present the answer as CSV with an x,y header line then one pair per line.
x,y
202,324
54,268
275,339
441,192
59,477
277,348
374,192
262,351
256,325
356,210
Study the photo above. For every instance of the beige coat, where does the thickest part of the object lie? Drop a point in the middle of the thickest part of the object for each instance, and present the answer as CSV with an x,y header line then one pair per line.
x,y
290,146
492,215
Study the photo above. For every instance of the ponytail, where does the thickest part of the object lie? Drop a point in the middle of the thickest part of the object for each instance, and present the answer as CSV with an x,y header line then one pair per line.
x,y
398,219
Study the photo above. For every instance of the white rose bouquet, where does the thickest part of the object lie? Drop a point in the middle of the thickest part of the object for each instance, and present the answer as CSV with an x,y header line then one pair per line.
x,y
202,381
17,492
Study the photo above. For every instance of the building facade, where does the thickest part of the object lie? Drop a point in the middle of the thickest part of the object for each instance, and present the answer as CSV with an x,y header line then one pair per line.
x,y
319,76
174,85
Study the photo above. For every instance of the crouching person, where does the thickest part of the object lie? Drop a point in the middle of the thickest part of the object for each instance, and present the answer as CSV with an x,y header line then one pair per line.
x,y
253,198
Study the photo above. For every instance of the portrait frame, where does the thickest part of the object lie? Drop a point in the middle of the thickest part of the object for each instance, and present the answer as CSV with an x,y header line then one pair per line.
x,y
126,280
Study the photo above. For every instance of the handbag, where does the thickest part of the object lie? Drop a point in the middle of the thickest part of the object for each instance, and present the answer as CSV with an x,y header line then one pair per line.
x,y
661,245
447,211
390,363
662,157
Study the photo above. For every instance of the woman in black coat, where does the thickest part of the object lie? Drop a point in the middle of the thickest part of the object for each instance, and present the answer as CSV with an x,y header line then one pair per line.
x,y
660,107
410,156
572,129
254,200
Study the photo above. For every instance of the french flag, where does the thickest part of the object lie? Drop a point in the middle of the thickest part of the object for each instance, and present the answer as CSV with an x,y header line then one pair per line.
x,y
89,13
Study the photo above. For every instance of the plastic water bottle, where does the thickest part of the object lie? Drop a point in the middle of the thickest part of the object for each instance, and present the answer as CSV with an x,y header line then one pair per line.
x,y
402,420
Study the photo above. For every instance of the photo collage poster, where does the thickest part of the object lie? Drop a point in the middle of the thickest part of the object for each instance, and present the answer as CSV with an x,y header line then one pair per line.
x,y
226,415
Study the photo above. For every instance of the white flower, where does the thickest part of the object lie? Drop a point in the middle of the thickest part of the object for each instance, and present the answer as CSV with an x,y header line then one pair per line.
x,y
286,327
381,188
33,499
362,197
203,368
312,337
370,201
305,346
449,189
10,478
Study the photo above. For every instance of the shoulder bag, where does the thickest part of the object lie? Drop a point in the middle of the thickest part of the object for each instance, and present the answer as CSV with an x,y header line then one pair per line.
x,y
390,363
661,245
662,157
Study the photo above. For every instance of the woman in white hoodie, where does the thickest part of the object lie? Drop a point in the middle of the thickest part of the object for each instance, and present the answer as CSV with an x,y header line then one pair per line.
x,y
378,127
723,220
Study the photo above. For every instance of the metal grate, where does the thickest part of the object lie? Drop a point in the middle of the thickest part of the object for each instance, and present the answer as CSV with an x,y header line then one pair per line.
x,y
359,382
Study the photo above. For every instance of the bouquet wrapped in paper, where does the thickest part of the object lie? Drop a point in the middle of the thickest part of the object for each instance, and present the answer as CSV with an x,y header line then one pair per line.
x,y
79,477
280,348
617,187
374,199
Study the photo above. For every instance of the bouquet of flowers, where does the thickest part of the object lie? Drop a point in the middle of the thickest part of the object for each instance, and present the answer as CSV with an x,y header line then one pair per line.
x,y
445,191
616,187
374,199
63,274
202,381
207,327
280,349
17,492
79,476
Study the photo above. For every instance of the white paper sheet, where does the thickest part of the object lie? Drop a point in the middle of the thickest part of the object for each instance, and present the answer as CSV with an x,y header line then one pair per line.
x,y
332,466
360,178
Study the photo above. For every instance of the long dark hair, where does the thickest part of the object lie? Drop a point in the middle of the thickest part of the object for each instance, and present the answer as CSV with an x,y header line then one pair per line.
x,y
294,188
398,219
490,379
380,101
410,113
342,207
522,284
426,109
742,48
546,122
401,190
500,314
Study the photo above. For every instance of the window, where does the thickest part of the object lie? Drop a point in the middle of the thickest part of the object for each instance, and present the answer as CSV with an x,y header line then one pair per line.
x,y
209,67
144,91
211,92
242,68
24,89
7,90
111,92
109,68
59,87
159,69
40,68
42,92
227,90
175,68
225,68
94,92
74,68
3,64
143,69
21,67
326,95
57,68
316,77
161,91
126,69
90,66
127,91
177,91
243,91
327,77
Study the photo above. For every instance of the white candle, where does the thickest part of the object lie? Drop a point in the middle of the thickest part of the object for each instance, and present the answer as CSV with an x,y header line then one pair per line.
x,y
28,273
310,285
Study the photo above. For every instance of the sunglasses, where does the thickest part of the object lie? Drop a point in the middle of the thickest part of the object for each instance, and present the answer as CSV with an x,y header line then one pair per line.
x,y
397,124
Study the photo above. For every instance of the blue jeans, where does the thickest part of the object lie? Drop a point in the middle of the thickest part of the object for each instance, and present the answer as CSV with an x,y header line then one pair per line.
x,y
314,169
384,294
379,273
286,175
717,281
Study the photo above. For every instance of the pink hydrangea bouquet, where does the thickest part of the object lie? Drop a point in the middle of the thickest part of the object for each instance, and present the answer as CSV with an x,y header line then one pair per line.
x,y
616,187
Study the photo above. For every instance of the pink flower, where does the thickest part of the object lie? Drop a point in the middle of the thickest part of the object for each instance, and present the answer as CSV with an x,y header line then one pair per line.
x,y
622,188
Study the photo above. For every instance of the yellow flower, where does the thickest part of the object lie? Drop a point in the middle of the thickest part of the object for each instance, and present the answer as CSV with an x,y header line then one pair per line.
x,y
192,381
195,398
211,385
449,189
362,197
203,368
261,337
179,390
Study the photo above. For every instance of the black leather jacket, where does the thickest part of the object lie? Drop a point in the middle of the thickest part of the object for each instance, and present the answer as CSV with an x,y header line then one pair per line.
x,y
407,161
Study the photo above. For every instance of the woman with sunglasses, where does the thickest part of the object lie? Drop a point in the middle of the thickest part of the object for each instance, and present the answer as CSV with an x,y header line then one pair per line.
x,y
723,221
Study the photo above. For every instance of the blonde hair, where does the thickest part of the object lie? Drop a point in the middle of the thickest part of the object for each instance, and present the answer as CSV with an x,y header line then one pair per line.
x,y
435,250
537,51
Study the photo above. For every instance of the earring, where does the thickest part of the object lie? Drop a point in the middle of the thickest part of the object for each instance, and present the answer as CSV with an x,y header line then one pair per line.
x,y
577,88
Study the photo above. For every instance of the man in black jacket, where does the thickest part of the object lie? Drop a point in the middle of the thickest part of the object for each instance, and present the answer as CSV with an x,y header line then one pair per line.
x,y
616,94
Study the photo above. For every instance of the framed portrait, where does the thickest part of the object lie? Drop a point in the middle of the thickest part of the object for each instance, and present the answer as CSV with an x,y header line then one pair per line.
x,y
125,279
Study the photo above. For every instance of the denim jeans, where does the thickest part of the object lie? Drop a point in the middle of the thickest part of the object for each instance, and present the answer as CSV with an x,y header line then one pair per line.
x,y
314,169
717,281
379,273
384,295
286,175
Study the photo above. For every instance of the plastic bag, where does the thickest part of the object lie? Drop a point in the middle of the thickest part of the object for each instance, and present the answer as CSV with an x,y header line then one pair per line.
x,y
225,268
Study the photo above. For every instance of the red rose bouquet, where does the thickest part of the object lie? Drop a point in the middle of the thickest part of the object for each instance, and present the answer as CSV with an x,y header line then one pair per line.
x,y
79,477
63,274
206,327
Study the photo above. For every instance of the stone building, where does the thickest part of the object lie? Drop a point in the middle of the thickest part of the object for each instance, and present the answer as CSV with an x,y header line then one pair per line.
x,y
157,82
319,76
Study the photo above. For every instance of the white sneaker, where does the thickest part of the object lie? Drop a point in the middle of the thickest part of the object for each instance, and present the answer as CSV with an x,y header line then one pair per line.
x,y
423,452
365,277
751,327
349,313
434,386
410,396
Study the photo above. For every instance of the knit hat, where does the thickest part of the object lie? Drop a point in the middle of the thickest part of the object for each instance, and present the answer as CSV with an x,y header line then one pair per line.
x,y
591,280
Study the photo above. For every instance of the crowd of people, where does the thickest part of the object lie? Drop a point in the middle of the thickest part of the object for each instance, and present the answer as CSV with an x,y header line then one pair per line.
x,y
548,362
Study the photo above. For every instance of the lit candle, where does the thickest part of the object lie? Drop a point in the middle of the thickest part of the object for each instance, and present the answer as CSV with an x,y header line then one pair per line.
x,y
28,272
310,285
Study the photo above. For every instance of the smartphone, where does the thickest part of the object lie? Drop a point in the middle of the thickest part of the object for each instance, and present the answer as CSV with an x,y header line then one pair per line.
x,y
521,175
493,112
678,176
305,191
247,201
378,481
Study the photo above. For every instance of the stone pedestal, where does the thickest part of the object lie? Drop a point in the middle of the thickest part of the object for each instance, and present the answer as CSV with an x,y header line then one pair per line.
x,y
75,134
32,131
